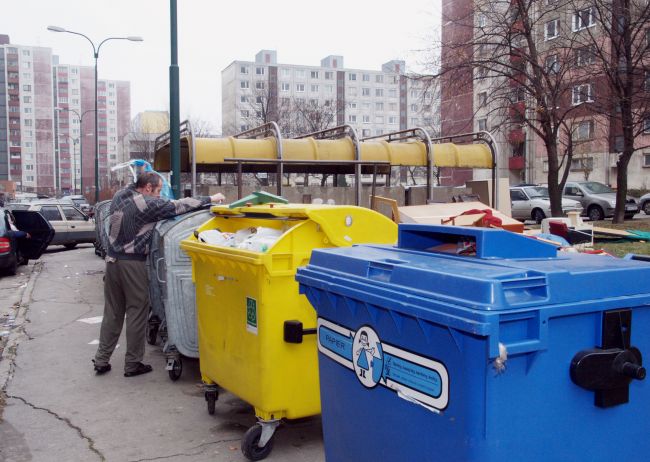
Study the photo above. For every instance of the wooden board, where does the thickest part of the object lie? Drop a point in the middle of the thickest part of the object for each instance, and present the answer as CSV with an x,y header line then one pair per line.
x,y
612,232
434,214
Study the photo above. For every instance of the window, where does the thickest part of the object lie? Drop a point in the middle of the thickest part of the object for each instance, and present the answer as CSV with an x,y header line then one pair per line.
x,y
414,107
313,74
352,105
379,79
365,92
583,131
63,99
646,83
258,100
379,106
552,65
329,75
585,56
352,76
352,91
243,99
244,84
352,118
300,73
27,99
482,98
285,86
365,132
286,72
379,92
517,195
551,29
646,160
582,94
366,119
73,214
28,122
26,53
243,69
481,20
482,125
584,18
27,110
582,163
646,125
259,85
365,77
379,119
27,65
314,88
260,70
392,120
29,178
482,72
27,88
329,88
245,113
392,93
50,212
300,87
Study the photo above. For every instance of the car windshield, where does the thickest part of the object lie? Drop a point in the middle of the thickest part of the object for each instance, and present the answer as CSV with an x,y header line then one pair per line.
x,y
537,191
594,187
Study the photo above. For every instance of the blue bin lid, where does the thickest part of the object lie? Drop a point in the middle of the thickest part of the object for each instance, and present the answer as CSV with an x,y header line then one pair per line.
x,y
496,270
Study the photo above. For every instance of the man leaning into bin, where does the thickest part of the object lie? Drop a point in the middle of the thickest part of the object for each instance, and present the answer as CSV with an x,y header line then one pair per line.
x,y
134,212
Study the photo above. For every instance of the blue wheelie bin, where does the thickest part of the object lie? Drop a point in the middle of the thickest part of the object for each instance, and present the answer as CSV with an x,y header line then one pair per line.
x,y
470,344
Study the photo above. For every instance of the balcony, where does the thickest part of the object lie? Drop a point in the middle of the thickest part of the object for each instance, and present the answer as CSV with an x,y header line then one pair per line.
x,y
516,163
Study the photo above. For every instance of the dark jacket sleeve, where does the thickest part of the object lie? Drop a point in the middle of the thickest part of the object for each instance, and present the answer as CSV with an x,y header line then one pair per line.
x,y
17,234
160,209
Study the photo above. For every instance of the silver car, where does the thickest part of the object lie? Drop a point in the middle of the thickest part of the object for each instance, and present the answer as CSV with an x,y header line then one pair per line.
x,y
532,202
598,200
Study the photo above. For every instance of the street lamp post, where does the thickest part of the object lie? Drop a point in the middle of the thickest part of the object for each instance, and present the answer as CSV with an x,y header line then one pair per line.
x,y
96,56
81,136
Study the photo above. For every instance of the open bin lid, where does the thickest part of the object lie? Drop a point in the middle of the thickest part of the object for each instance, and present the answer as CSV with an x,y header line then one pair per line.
x,y
344,225
506,271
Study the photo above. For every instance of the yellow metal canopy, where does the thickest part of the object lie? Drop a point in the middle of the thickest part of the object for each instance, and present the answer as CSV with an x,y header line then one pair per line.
x,y
211,152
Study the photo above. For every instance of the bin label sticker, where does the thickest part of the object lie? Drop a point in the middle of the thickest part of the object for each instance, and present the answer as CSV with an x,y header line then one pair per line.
x,y
251,315
413,377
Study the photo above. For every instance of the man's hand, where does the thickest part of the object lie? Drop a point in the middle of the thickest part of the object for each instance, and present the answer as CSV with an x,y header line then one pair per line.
x,y
218,198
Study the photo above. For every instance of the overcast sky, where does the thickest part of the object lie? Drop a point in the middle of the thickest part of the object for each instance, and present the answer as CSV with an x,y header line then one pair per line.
x,y
212,34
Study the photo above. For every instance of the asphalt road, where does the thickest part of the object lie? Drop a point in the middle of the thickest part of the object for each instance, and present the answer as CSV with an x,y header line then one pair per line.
x,y
54,407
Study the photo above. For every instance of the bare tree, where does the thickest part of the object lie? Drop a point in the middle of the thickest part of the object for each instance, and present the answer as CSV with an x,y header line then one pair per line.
x,y
522,58
616,38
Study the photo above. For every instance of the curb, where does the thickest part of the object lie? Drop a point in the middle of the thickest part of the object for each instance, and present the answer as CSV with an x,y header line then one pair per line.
x,y
17,334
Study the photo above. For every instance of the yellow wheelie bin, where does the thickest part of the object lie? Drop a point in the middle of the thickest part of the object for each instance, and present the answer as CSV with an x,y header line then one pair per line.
x,y
255,331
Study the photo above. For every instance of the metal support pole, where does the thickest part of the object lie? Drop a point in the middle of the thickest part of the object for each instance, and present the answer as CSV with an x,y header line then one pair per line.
x,y
96,135
174,105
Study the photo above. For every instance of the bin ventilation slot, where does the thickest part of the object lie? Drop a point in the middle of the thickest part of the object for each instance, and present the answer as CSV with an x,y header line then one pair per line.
x,y
524,290
382,270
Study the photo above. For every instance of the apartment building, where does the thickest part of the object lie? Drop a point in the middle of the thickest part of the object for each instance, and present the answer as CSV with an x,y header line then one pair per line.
x,y
303,99
561,36
47,142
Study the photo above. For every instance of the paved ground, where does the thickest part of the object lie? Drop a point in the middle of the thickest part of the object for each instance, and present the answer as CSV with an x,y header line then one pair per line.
x,y
56,408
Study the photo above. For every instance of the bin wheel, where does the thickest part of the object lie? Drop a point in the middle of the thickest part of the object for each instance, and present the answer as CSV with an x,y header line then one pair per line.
x,y
176,370
249,446
211,397
152,333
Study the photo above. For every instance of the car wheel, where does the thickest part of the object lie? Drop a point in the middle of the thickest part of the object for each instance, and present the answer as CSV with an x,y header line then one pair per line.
x,y
538,215
70,246
595,213
646,208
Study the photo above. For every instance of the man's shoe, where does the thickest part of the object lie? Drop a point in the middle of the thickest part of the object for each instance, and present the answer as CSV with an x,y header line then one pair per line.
x,y
99,370
139,370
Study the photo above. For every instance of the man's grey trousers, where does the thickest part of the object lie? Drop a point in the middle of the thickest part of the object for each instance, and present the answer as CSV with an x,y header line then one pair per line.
x,y
126,293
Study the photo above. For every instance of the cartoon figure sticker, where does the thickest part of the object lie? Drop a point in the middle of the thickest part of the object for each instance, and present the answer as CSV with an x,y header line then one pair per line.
x,y
413,377
368,357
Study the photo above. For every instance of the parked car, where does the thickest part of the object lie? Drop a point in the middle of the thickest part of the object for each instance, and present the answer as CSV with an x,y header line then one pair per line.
x,y
644,204
598,200
80,202
71,225
532,202
16,251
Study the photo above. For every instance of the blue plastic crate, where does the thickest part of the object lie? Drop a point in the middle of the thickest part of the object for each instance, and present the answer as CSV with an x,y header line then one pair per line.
x,y
441,349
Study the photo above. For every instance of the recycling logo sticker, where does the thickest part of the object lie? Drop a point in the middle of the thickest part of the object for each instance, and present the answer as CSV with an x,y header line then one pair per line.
x,y
413,377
